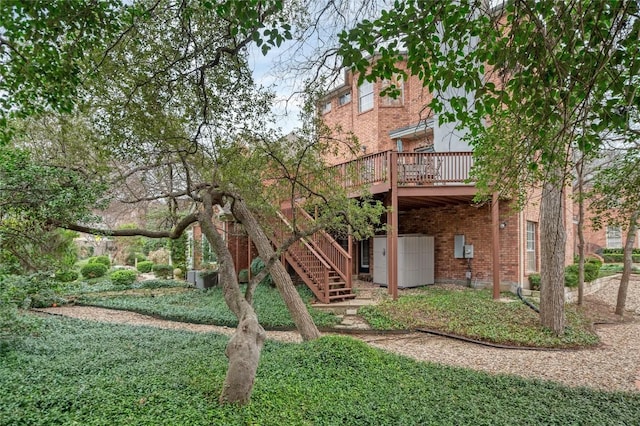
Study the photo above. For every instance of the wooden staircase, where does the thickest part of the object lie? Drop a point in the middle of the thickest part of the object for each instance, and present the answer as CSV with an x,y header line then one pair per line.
x,y
320,262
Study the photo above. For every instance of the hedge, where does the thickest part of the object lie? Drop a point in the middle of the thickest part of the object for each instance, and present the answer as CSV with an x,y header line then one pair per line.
x,y
619,257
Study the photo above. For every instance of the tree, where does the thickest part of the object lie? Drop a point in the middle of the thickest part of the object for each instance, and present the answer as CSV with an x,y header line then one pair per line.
x,y
169,113
541,72
616,201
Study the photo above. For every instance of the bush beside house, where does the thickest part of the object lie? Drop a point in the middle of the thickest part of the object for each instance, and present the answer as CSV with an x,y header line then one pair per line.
x,y
591,272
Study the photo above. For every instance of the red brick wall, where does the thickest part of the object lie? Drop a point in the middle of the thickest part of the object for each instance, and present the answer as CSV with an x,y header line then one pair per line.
x,y
372,127
475,224
596,238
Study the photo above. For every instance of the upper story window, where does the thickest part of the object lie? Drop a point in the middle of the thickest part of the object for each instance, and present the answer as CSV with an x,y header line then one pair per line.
x,y
614,237
326,107
365,96
395,84
344,99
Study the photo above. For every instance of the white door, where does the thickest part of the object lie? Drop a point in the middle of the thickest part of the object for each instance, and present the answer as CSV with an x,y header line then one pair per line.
x,y
380,260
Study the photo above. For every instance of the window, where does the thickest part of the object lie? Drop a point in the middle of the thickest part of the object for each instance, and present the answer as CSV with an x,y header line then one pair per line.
x,y
326,107
614,237
364,256
190,247
208,255
397,85
532,263
344,99
365,96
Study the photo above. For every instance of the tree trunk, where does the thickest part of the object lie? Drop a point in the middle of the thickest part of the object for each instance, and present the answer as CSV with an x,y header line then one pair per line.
x,y
628,263
580,226
243,352
245,345
299,313
552,248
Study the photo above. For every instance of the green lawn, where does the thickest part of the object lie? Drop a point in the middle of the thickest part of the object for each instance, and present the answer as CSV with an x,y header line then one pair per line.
x,y
85,373
206,307
474,314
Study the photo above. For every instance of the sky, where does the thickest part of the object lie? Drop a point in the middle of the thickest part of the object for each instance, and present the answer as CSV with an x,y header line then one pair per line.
x,y
286,110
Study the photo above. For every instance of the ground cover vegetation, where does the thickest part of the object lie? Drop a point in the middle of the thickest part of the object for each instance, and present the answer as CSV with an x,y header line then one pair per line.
x,y
90,373
205,306
474,314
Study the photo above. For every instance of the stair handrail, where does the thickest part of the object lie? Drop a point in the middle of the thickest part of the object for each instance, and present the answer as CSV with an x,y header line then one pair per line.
x,y
321,282
343,270
304,240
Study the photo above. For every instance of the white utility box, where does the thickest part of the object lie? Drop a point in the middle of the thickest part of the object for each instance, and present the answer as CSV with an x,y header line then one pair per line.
x,y
415,260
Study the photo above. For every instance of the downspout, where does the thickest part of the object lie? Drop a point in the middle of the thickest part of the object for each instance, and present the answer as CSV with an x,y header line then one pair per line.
x,y
495,233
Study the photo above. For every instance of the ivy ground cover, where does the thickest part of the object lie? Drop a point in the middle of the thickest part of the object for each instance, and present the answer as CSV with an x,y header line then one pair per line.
x,y
81,372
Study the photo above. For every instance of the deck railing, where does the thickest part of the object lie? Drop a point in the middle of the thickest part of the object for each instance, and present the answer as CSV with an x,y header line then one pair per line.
x,y
413,168
369,169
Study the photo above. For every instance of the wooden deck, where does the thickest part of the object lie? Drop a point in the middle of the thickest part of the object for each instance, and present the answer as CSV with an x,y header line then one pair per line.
x,y
411,169
418,179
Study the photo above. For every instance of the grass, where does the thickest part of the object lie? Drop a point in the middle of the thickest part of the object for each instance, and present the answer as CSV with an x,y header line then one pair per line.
x,y
87,373
205,306
474,314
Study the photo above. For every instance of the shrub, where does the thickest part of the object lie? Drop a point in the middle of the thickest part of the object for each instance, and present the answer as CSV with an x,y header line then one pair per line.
x,y
66,276
591,270
145,267
133,257
162,271
534,281
619,251
258,265
243,276
93,270
571,276
123,277
160,256
103,260
24,291
619,257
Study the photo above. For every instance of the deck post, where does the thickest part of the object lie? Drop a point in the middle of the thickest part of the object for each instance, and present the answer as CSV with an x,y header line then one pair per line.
x,y
392,223
495,233
350,262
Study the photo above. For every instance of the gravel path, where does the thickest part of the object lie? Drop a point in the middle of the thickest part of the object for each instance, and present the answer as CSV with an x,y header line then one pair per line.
x,y
615,365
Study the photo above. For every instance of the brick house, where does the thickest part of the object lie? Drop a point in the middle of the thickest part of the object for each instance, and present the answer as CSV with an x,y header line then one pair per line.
x,y
606,236
419,169
437,233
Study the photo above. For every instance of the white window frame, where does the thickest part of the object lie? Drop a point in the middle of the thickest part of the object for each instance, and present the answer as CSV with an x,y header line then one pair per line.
x,y
326,107
531,255
365,96
614,237
344,99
